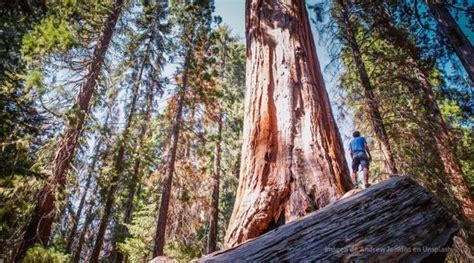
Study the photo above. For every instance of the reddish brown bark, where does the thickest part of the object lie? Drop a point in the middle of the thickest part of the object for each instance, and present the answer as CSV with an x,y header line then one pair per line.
x,y
370,100
213,224
292,155
39,227
159,241
458,40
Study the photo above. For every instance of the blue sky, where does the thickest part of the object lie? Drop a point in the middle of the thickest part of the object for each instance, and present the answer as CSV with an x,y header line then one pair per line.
x,y
233,14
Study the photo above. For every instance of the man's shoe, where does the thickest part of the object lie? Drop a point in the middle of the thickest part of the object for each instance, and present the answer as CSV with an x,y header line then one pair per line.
x,y
367,185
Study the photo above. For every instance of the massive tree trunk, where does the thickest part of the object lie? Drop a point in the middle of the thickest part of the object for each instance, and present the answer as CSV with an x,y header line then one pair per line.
x,y
83,198
212,236
292,156
39,227
370,100
394,221
118,168
159,241
446,147
458,40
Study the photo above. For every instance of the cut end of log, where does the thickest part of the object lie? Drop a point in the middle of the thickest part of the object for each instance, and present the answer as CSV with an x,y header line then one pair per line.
x,y
396,220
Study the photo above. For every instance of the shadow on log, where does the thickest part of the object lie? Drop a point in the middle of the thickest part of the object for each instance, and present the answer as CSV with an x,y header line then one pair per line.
x,y
394,221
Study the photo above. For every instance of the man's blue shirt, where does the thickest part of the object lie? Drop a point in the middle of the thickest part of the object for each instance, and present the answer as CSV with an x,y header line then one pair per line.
x,y
357,144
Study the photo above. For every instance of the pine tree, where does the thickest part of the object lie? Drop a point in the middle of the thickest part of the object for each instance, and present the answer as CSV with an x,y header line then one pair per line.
x,y
223,46
193,20
38,230
118,163
421,84
410,98
100,158
152,27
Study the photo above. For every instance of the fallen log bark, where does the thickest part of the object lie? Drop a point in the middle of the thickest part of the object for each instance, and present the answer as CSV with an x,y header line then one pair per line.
x,y
394,221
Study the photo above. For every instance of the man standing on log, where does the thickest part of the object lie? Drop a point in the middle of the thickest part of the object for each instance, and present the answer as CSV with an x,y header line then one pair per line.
x,y
360,155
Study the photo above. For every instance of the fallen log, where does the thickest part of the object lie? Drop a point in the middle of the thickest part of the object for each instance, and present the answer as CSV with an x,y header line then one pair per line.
x,y
394,221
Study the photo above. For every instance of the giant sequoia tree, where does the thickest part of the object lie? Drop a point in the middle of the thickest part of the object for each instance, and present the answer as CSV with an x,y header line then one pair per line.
x,y
292,155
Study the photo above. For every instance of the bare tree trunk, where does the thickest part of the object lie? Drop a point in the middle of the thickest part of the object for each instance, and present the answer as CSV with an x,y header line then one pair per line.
x,y
85,227
446,147
212,236
39,228
159,241
109,201
371,103
459,42
83,198
292,156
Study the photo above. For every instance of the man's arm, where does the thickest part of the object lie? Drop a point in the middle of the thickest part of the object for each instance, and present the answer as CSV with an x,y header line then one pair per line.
x,y
368,151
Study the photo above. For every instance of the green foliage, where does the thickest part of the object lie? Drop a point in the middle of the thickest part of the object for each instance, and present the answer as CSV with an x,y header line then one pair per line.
x,y
462,124
137,246
50,35
20,124
39,254
466,154
61,29
32,33
182,252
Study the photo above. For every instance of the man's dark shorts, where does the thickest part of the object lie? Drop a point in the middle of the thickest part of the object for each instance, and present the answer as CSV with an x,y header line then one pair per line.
x,y
359,158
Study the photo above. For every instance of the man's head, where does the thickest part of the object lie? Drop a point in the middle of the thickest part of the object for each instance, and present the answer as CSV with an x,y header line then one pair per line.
x,y
356,134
